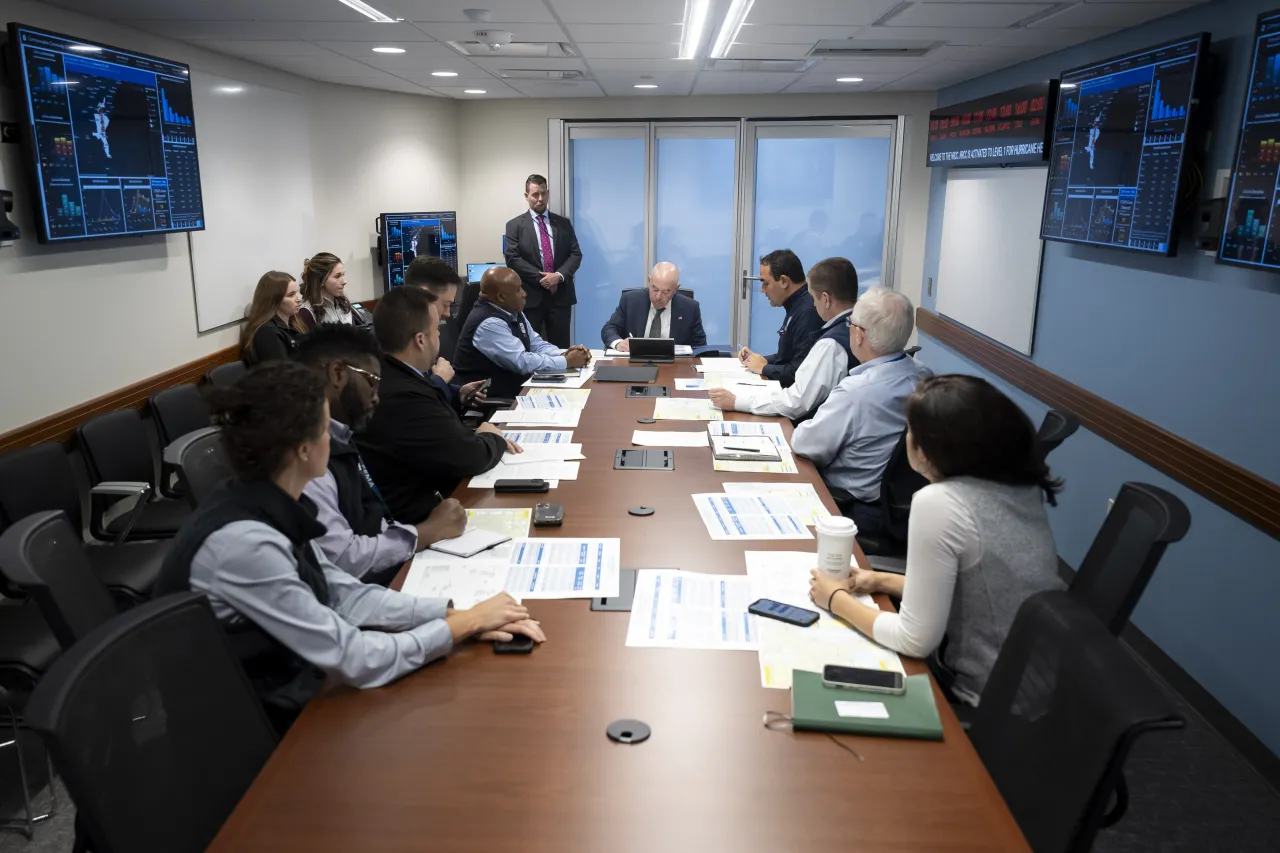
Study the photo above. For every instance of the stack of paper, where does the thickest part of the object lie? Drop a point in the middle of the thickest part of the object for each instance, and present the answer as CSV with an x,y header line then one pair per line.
x,y
510,522
742,383
657,438
784,576
566,418
802,498
528,437
582,378
552,472
576,398
738,517
686,610
685,409
544,453
772,431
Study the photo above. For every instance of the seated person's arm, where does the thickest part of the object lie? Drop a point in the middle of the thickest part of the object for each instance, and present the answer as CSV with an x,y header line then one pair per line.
x,y
615,330
821,437
698,337
357,555
819,373
494,338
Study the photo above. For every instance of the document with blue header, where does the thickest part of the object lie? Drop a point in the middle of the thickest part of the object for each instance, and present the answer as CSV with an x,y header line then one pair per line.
x,y
740,517
687,610
563,568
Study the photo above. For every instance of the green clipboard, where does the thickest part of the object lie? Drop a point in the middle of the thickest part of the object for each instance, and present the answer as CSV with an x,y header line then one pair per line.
x,y
911,715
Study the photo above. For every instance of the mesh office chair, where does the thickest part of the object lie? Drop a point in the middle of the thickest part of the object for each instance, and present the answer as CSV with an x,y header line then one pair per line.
x,y
27,649
1056,428
175,412
154,727
897,488
1061,710
1142,523
202,461
117,450
38,479
226,374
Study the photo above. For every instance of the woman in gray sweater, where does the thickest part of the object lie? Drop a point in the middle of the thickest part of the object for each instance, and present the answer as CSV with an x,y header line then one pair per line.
x,y
979,543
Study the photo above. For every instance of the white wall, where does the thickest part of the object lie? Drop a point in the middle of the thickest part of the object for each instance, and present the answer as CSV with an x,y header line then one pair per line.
x,y
82,321
503,141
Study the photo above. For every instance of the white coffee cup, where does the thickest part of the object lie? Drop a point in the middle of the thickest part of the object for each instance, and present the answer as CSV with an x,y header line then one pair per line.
x,y
835,544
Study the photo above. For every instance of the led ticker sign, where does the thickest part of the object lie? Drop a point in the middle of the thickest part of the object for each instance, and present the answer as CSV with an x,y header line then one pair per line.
x,y
1009,127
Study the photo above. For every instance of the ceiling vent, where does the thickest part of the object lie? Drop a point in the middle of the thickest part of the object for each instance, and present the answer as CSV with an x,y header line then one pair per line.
x,y
780,66
569,76
490,43
855,49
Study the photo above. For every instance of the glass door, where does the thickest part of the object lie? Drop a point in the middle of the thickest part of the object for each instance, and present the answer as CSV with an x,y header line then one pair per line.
x,y
822,189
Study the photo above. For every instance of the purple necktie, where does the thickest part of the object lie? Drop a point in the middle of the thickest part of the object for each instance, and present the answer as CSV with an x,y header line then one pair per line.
x,y
548,262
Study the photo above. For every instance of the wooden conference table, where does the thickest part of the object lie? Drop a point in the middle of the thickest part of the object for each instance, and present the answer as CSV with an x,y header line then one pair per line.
x,y
485,752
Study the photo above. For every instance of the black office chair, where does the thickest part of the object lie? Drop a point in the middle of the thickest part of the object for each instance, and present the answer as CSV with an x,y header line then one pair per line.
x,y
38,479
27,649
201,461
1059,714
1056,428
154,727
117,451
226,374
683,291
470,296
176,411
1142,523
897,488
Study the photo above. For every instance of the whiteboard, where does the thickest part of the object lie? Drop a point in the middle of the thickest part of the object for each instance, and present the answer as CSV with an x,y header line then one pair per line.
x,y
255,173
989,272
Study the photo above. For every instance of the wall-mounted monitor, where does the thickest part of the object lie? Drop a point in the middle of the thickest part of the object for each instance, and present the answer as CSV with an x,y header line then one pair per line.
x,y
1249,237
1005,129
407,235
1119,140
110,136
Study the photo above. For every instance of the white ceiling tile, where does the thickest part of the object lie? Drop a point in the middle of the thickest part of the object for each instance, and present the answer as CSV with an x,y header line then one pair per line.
x,y
492,89
499,63
644,50
451,11
950,35
670,66
540,89
256,49
1111,15
1051,40
769,51
741,82
466,76
965,14
624,85
625,32
196,30
807,34
315,67
415,53
834,12
466,32
886,64
222,10
968,53
619,11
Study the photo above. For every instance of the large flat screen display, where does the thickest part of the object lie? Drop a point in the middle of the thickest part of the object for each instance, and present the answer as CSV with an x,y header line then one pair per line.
x,y
1249,237
1120,135
998,130
111,135
407,235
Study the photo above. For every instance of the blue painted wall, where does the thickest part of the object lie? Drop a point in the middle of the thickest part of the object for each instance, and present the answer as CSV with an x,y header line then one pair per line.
x,y
1188,344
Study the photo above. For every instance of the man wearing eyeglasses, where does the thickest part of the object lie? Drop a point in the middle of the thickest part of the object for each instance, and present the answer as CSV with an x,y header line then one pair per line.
x,y
360,536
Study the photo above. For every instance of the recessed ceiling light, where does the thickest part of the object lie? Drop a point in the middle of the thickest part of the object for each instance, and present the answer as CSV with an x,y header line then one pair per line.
x,y
444,73
473,91
230,90
388,50
848,79
85,48
734,18
370,12
696,13
646,85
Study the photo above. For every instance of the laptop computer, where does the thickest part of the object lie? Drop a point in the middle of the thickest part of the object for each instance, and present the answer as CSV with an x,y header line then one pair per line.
x,y
653,350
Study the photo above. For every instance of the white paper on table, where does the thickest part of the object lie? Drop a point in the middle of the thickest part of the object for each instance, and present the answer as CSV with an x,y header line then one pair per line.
x,y
541,400
866,710
576,398
686,610
612,353
532,437
742,383
509,522
603,355
739,517
731,466
721,365
659,438
802,497
770,429
550,471
684,349
467,582
784,576
685,409
566,418
544,453
564,568
691,385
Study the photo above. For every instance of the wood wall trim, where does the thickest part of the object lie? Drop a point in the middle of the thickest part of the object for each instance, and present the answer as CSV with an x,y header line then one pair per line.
x,y
60,426
1240,492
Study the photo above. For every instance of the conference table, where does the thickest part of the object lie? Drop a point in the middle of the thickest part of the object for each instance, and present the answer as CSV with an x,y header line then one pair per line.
x,y
485,752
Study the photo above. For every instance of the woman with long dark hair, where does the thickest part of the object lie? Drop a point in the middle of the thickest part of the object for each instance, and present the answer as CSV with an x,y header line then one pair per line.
x,y
324,294
292,615
979,542
272,329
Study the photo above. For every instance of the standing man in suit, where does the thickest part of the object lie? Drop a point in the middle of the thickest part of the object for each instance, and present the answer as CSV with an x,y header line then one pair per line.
x,y
658,311
543,248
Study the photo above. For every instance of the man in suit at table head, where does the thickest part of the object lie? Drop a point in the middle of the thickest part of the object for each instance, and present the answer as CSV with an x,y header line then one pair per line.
x,y
658,311
498,342
782,282
543,250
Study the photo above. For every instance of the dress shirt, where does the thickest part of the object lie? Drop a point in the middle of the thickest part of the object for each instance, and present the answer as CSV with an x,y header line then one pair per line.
x,y
648,324
545,216
248,571
354,554
853,433
820,372
494,339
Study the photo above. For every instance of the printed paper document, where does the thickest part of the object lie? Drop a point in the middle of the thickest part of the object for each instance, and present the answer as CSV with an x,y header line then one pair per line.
x,y
544,453
508,522
738,517
691,385
685,409
575,397
564,568
801,497
721,365
551,471
565,418
659,438
525,438
771,430
686,610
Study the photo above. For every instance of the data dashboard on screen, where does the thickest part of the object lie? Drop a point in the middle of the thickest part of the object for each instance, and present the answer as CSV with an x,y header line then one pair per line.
x,y
1248,236
1119,139
111,136
405,236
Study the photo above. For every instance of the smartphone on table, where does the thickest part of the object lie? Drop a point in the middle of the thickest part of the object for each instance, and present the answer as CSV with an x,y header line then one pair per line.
x,y
870,680
792,615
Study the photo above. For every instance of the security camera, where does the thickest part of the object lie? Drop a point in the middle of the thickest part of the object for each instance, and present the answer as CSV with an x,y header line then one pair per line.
x,y
494,39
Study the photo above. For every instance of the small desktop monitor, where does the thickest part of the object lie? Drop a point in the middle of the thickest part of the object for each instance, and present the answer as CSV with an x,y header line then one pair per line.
x,y
474,271
407,235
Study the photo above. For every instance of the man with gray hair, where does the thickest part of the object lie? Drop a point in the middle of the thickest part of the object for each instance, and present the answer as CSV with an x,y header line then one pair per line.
x,y
853,434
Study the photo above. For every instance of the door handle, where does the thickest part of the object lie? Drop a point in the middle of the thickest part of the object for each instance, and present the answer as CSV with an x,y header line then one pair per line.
x,y
746,288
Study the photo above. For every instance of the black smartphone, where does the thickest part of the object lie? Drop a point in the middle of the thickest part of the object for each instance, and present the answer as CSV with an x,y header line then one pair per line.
x,y
553,378
548,515
533,486
871,680
770,609
519,644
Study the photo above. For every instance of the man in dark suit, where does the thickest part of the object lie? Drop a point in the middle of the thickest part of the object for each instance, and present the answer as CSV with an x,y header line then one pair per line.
x,y
658,311
416,447
543,248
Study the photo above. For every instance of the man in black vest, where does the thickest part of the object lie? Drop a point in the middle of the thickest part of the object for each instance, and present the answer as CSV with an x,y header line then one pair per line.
x,y
543,249
416,446
782,282
498,342
361,537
